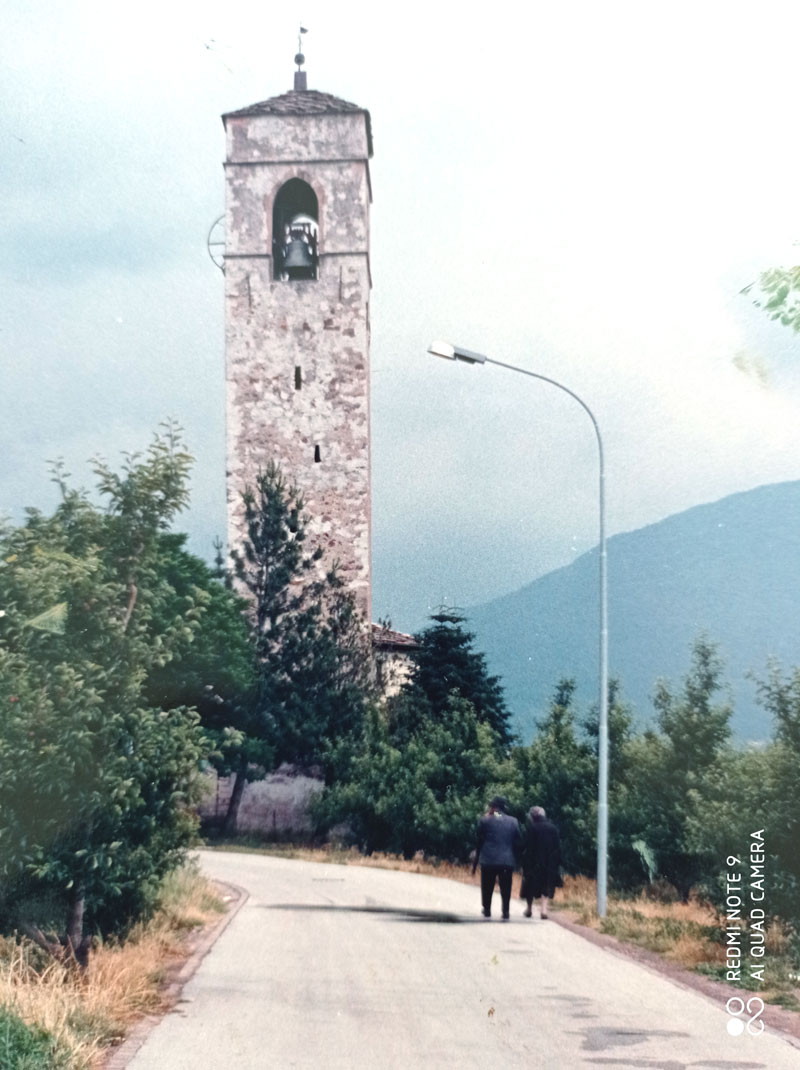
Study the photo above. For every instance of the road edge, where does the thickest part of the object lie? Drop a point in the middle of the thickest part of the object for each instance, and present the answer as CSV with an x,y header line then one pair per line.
x,y
119,1057
780,1020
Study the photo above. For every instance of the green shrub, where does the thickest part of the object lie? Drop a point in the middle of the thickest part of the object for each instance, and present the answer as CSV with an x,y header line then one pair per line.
x,y
24,1047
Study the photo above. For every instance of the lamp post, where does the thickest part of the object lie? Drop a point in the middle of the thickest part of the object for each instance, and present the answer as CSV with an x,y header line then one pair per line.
x,y
467,356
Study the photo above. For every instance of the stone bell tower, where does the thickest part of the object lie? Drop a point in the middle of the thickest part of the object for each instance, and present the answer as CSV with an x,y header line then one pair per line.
x,y
297,288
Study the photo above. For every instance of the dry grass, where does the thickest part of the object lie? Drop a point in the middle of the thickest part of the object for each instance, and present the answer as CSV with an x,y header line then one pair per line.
x,y
685,933
690,951
86,1014
44,998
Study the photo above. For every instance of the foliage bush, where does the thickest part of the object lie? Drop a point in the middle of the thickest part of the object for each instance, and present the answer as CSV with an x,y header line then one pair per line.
x,y
757,788
416,791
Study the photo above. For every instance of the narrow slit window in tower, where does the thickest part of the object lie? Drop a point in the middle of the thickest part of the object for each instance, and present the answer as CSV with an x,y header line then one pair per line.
x,y
298,377
317,455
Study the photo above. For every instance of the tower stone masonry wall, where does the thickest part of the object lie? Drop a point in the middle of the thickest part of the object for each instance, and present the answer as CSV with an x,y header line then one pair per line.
x,y
297,351
273,138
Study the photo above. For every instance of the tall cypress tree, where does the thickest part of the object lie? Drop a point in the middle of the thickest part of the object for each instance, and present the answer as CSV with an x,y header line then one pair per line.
x,y
310,646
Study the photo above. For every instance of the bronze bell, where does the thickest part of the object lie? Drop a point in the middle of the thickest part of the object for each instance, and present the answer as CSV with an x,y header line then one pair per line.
x,y
298,256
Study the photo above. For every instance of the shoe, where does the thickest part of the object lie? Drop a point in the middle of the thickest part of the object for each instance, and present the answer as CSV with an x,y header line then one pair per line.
x,y
544,917
506,917
487,914
527,913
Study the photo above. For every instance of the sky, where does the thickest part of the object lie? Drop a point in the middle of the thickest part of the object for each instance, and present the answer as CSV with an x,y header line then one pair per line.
x,y
579,189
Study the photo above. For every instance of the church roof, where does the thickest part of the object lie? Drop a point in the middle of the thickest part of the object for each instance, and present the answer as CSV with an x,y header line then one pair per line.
x,y
387,639
304,102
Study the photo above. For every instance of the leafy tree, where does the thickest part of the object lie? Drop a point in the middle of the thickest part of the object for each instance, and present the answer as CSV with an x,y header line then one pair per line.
x,y
445,662
375,792
211,670
673,766
420,791
779,295
94,782
310,647
215,661
620,730
627,851
695,727
758,788
559,772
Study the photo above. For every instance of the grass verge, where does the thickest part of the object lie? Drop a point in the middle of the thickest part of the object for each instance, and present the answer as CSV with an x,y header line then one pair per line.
x,y
687,934
80,1017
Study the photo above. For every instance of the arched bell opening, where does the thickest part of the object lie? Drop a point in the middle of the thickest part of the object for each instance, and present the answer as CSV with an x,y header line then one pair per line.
x,y
295,232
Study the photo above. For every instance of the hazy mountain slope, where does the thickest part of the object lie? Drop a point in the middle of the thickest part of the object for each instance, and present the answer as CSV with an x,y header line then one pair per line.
x,y
730,568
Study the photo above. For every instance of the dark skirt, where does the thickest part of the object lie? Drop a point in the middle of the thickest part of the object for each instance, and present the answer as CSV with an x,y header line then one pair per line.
x,y
535,885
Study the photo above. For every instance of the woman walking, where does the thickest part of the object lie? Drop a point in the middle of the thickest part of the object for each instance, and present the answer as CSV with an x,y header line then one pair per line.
x,y
541,858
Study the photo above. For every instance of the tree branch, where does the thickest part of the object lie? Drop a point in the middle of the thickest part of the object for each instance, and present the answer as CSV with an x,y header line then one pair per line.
x,y
131,603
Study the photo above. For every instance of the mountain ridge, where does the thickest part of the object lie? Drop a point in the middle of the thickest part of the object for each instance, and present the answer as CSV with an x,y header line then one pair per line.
x,y
727,568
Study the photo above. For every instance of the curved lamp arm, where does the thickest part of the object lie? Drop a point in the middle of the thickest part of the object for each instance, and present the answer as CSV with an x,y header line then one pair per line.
x,y
468,356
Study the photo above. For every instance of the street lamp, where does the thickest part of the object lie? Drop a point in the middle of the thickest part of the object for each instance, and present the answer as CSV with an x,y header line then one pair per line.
x,y
467,356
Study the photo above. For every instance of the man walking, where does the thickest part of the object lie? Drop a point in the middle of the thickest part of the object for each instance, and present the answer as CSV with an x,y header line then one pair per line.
x,y
499,841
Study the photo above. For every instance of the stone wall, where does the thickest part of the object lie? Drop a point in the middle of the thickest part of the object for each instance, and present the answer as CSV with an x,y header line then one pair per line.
x,y
274,808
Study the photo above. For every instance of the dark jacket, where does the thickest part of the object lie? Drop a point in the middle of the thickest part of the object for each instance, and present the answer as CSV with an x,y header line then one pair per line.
x,y
541,858
499,840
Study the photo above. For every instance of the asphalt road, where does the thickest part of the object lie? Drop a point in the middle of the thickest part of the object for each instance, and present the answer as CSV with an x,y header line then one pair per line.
x,y
343,968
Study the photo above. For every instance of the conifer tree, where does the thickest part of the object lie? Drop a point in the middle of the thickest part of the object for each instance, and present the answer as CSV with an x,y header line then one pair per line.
x,y
445,662
311,654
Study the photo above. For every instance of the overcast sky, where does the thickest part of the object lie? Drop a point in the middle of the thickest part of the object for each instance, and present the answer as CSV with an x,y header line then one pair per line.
x,y
579,188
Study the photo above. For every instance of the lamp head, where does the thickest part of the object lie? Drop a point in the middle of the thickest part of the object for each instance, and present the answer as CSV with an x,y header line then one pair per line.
x,y
451,352
442,349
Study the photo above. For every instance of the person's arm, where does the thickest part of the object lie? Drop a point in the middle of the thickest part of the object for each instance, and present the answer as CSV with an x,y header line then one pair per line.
x,y
480,839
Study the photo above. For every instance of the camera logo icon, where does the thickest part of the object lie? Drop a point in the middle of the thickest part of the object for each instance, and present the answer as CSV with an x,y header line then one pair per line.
x,y
737,1009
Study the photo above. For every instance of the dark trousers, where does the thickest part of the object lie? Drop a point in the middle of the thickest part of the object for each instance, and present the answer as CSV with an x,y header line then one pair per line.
x,y
490,874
